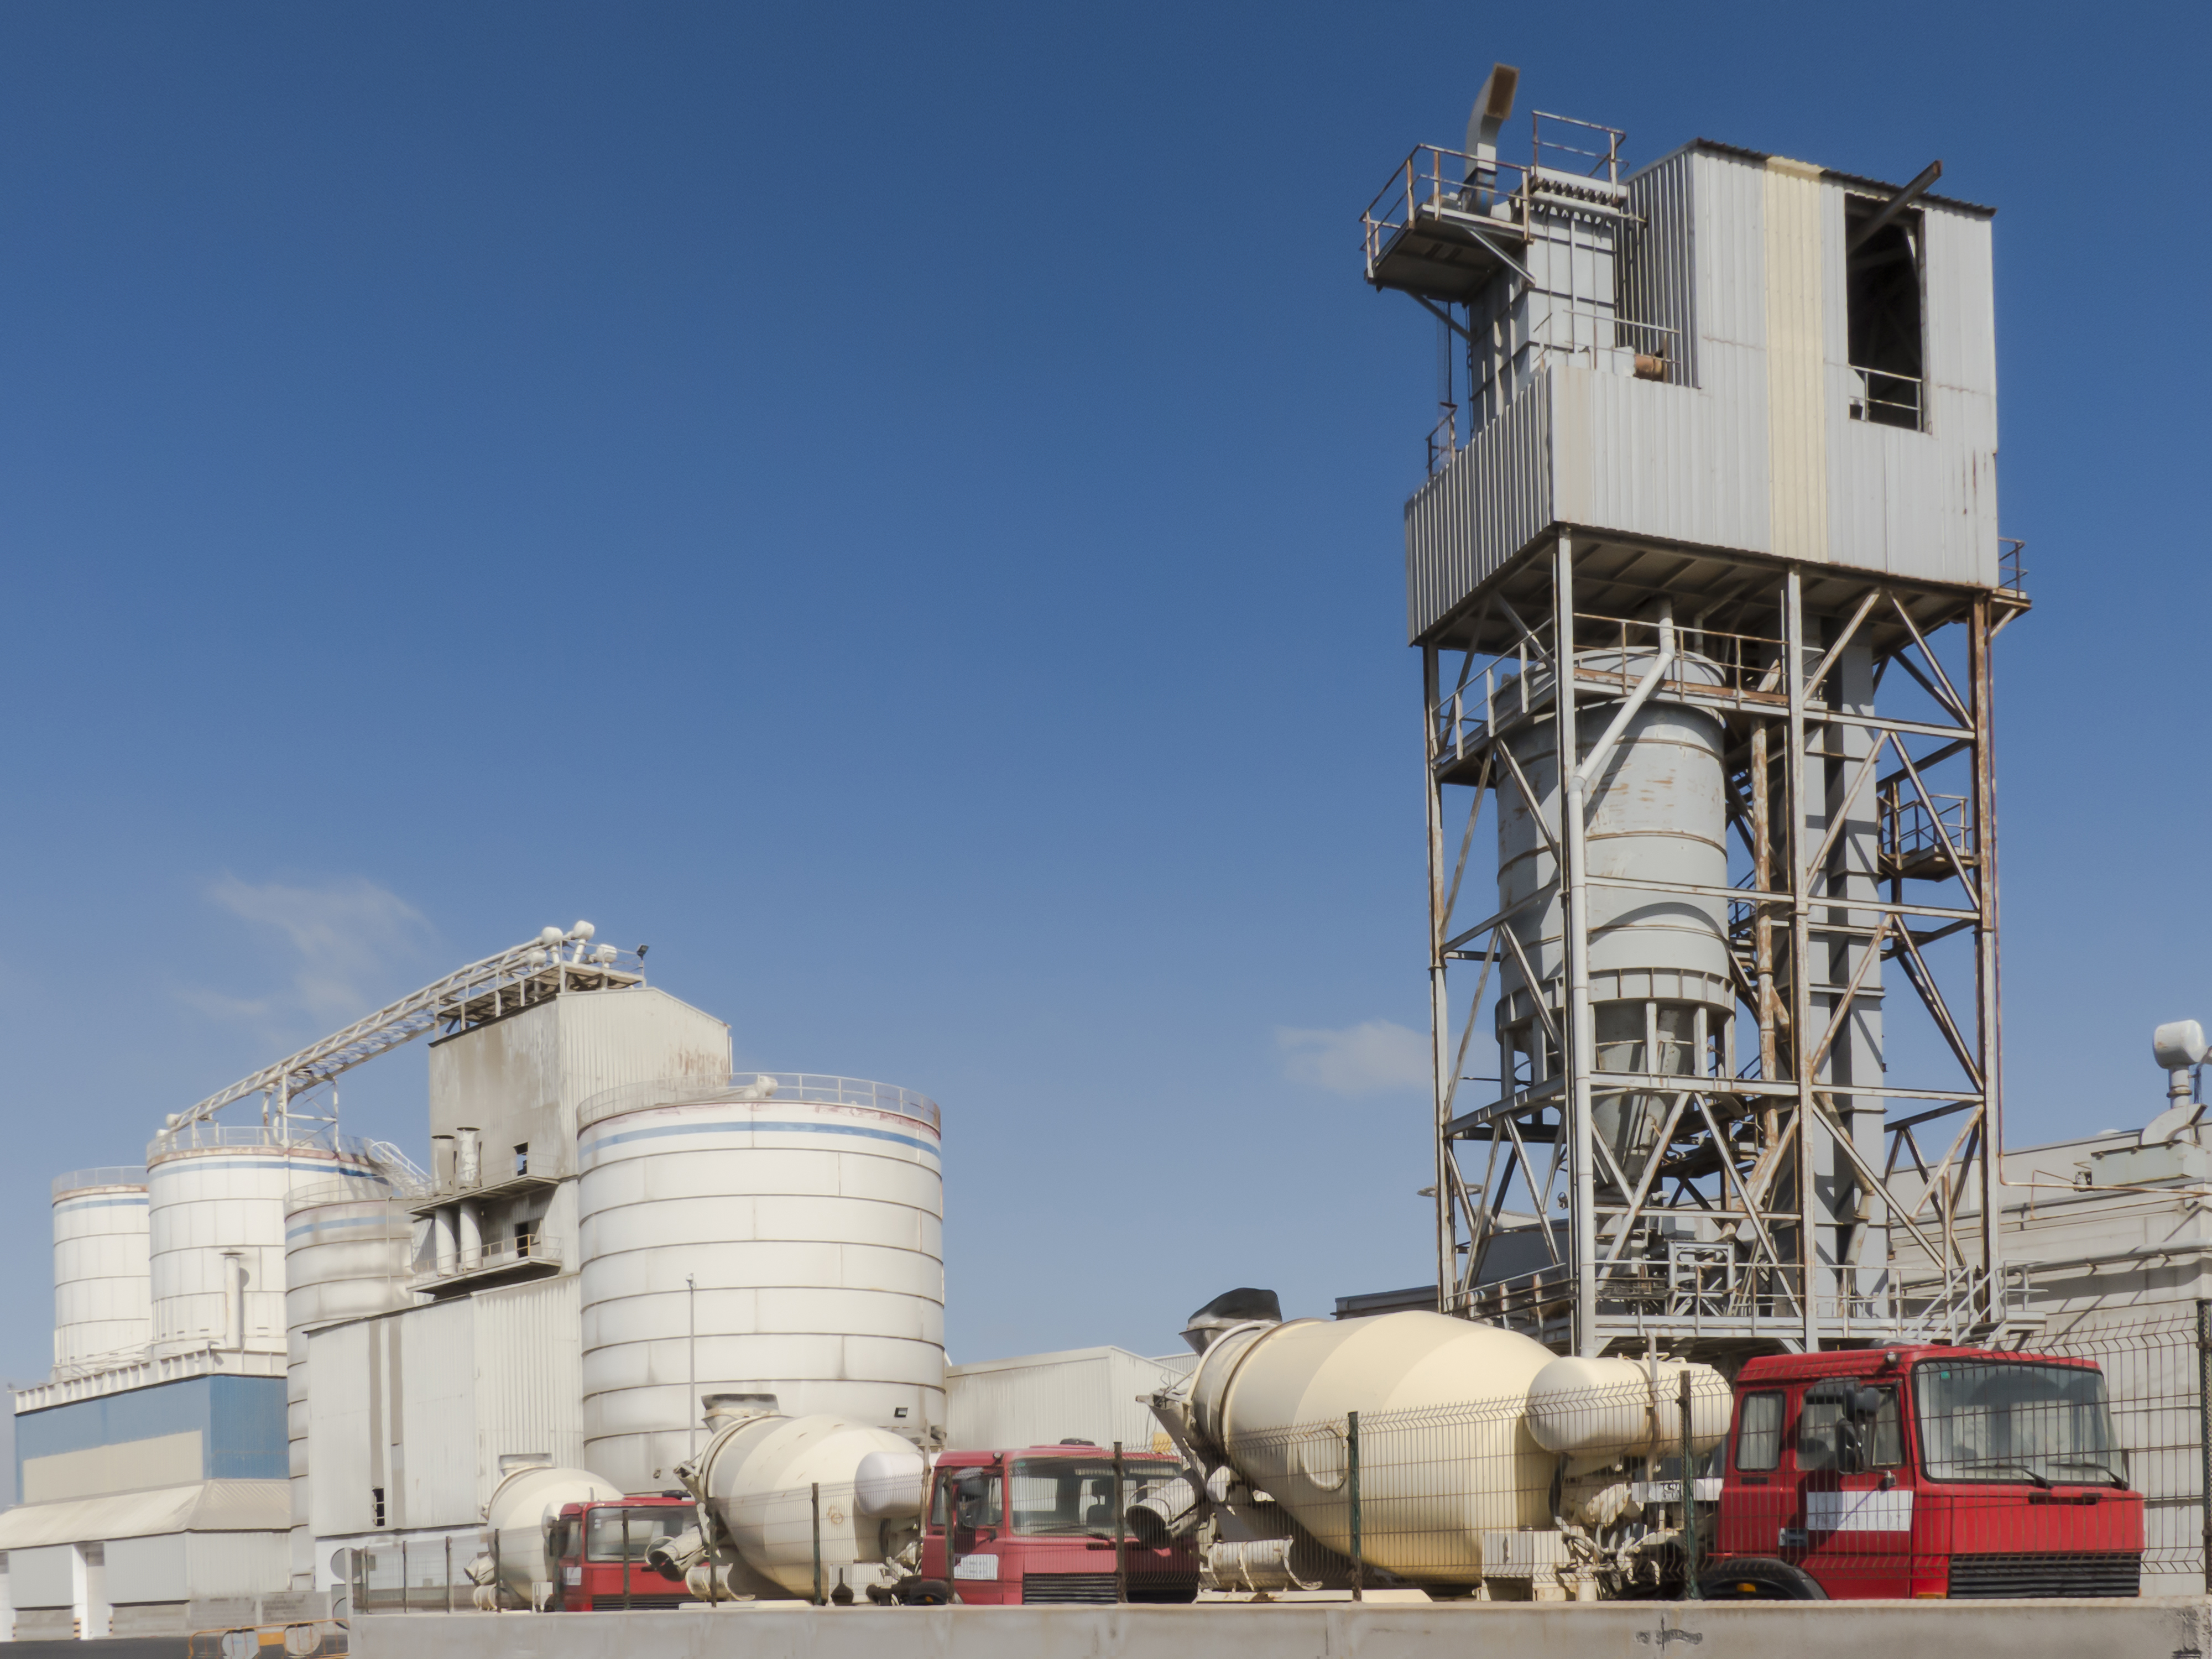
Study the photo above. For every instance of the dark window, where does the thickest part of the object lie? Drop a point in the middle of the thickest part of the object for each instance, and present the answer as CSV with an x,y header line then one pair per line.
x,y
1882,318
1759,1431
1850,1426
522,1158
376,1502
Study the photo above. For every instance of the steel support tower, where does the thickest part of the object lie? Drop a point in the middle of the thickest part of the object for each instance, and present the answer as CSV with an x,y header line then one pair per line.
x,y
1727,477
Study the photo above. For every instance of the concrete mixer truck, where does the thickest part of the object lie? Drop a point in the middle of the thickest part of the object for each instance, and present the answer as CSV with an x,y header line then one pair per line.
x,y
1464,1459
808,1508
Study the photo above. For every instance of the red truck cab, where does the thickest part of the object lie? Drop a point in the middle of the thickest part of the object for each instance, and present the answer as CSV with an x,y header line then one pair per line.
x,y
1925,1471
1035,1526
598,1554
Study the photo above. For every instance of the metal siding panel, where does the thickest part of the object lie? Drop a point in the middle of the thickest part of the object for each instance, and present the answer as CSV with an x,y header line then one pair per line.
x,y
237,1563
530,1372
338,1430
1491,502
1728,226
148,1569
437,1409
1090,1395
41,1578
1658,273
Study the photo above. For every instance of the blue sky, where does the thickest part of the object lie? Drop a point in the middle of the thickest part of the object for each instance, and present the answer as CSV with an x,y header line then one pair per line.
x,y
898,510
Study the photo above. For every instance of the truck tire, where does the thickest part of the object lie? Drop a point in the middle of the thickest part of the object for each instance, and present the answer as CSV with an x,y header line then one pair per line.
x,y
1759,1578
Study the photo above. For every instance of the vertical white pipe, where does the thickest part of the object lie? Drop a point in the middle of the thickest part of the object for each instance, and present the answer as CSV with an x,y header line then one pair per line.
x,y
442,1232
471,1236
234,1285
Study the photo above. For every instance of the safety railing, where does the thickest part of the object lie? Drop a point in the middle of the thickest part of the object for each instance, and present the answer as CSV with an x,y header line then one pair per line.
x,y
807,1087
527,1249
2012,564
112,1175
1887,399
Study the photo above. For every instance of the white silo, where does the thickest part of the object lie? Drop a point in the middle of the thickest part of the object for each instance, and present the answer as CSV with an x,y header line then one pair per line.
x,y
780,1235
215,1226
346,1252
102,1302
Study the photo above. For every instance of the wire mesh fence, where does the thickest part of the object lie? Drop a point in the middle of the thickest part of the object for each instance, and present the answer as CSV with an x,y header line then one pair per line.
x,y
2076,1470
2075,1467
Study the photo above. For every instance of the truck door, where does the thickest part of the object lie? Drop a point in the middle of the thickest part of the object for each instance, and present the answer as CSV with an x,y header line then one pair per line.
x,y
1855,1488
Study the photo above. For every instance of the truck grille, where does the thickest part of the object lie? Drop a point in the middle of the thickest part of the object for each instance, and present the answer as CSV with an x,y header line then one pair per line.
x,y
1063,1589
639,1601
2030,1575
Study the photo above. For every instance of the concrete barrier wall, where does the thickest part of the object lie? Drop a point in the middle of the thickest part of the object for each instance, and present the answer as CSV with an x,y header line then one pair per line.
x,y
2163,1628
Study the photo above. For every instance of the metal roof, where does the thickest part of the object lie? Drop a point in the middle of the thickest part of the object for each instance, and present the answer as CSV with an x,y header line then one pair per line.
x,y
1715,147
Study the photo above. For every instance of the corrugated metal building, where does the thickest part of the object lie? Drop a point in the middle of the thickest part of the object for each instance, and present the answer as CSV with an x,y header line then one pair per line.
x,y
136,1499
1754,441
1043,1398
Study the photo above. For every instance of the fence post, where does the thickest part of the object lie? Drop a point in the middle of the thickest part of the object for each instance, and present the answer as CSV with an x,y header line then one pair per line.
x,y
1690,1591
624,1513
1121,1541
449,1572
818,1543
1352,1479
2205,1431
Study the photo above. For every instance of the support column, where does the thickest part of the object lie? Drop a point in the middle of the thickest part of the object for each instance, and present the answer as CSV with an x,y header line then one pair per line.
x,y
1991,1051
1801,1039
1441,1060
1576,1050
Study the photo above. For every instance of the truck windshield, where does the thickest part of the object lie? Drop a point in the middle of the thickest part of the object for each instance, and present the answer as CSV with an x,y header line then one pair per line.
x,y
1989,1420
603,1537
1076,1495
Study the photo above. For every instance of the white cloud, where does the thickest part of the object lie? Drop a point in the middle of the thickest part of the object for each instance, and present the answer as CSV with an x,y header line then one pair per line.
x,y
345,938
1364,1059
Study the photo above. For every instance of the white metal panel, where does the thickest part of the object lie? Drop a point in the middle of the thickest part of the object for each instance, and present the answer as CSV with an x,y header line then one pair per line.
x,y
148,1569
530,1372
431,1375
236,1562
341,1428
1086,1393
812,1228
1490,502
42,1578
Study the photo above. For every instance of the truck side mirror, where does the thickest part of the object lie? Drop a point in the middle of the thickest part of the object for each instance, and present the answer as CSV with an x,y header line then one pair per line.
x,y
1866,1402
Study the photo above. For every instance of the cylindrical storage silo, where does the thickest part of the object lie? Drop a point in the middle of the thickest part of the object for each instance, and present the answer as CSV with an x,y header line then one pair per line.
x,y
215,1232
1660,993
346,1251
794,1224
103,1313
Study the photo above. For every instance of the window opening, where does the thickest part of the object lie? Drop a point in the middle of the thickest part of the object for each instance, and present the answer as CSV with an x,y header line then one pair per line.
x,y
1883,323
1759,1432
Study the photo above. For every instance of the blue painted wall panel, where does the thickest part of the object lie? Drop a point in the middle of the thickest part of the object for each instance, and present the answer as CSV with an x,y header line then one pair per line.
x,y
240,1420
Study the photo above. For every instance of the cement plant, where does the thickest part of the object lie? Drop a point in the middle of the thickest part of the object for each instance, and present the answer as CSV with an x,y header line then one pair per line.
x,y
1731,1307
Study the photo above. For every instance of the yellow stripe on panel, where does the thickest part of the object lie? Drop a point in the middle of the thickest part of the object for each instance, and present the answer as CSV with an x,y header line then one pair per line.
x,y
1796,425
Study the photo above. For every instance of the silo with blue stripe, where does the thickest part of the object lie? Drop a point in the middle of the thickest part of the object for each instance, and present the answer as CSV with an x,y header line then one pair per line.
x,y
778,1234
216,1230
102,1312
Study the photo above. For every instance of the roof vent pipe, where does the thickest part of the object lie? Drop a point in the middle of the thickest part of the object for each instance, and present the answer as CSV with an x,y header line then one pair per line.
x,y
1492,105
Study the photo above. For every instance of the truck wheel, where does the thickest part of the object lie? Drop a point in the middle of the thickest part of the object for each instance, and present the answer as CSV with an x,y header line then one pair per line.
x,y
925,1592
1759,1578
